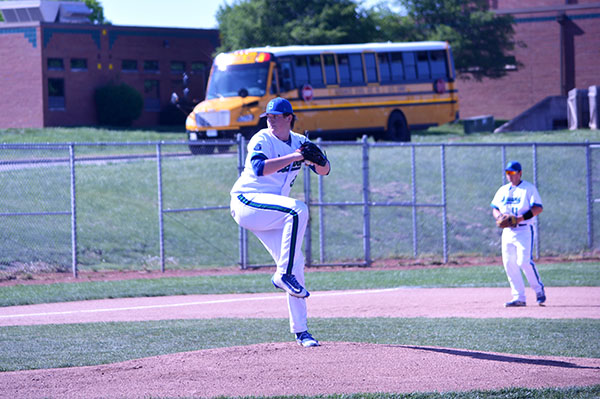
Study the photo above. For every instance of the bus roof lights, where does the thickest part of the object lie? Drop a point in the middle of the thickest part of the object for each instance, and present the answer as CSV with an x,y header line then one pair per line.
x,y
263,57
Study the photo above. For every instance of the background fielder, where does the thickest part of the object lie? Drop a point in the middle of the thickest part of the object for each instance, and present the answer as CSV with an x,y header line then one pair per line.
x,y
521,199
260,202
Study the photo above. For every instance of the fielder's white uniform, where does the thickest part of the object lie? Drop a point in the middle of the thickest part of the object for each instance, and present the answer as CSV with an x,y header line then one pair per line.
x,y
262,205
517,242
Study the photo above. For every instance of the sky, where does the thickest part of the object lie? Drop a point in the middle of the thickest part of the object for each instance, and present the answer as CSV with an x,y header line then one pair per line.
x,y
198,14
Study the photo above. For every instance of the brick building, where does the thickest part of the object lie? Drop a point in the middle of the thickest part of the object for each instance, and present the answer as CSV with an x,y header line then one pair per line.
x,y
53,60
562,52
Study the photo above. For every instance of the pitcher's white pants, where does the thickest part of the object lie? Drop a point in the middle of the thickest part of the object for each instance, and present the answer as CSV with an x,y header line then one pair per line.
x,y
279,222
517,245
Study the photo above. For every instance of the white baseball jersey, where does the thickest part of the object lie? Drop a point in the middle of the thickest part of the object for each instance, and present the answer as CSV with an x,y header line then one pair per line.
x,y
517,200
279,183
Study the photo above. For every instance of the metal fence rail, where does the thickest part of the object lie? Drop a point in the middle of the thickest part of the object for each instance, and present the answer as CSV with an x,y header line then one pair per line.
x,y
414,209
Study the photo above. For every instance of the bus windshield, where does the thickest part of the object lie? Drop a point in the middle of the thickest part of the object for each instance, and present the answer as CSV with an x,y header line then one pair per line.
x,y
230,82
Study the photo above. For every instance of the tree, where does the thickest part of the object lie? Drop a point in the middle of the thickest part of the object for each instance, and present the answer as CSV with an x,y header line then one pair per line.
x,y
248,23
97,16
481,41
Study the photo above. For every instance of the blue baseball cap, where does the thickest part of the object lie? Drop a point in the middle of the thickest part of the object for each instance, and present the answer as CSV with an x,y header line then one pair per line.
x,y
513,166
278,106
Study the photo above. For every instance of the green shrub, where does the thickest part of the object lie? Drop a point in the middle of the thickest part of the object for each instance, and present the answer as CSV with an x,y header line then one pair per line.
x,y
118,104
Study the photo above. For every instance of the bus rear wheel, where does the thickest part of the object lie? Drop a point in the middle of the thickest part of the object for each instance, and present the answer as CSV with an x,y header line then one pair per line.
x,y
397,128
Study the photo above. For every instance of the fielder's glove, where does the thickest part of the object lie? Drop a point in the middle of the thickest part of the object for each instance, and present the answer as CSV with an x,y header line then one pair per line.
x,y
312,153
506,220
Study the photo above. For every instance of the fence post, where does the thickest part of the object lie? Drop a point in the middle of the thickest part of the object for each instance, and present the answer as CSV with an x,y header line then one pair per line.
x,y
503,165
535,183
414,199
242,233
444,204
161,231
73,212
307,233
589,195
366,203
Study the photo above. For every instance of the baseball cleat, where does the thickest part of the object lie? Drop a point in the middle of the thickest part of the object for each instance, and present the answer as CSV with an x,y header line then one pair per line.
x,y
541,298
289,284
305,339
513,304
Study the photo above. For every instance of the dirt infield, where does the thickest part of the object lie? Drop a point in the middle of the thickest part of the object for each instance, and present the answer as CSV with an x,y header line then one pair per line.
x,y
287,369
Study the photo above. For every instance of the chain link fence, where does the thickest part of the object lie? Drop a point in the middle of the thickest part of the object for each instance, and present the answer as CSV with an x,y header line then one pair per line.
x,y
153,206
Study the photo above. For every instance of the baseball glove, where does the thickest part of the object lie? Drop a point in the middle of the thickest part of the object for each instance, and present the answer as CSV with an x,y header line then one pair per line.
x,y
506,220
312,153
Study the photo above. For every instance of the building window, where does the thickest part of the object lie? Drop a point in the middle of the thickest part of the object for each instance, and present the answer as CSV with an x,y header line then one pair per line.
x,y
151,95
129,66
198,67
78,64
151,66
55,64
56,94
177,67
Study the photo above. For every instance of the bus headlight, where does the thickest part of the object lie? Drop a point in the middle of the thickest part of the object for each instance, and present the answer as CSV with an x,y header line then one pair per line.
x,y
193,136
245,118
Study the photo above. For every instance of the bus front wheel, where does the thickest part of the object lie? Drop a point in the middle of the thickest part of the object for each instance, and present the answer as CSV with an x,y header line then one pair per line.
x,y
397,128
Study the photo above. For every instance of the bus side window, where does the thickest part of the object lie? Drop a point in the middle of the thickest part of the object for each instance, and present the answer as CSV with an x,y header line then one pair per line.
x,y
423,65
344,68
274,89
410,67
301,70
316,71
384,68
397,67
371,67
285,75
330,73
356,69
438,64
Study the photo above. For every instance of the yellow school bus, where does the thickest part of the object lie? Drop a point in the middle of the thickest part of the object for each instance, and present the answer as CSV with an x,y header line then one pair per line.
x,y
338,92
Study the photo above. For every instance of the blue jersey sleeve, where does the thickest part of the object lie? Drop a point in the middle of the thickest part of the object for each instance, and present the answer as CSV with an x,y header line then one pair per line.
x,y
258,163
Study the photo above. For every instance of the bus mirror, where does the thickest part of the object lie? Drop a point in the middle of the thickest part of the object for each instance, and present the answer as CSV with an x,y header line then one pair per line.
x,y
243,93
174,98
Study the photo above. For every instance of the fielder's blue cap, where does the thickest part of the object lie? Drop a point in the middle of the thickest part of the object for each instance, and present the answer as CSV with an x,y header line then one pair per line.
x,y
278,106
513,166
